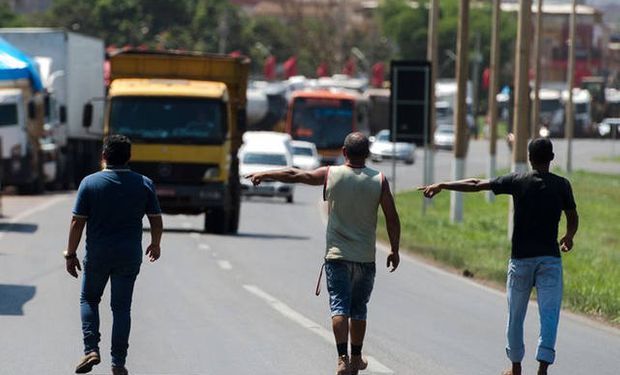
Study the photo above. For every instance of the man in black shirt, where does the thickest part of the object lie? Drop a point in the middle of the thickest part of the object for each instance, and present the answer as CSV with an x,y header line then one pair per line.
x,y
539,198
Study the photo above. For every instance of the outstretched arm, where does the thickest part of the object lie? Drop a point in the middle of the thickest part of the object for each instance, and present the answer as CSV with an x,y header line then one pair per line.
x,y
392,222
572,224
468,185
291,175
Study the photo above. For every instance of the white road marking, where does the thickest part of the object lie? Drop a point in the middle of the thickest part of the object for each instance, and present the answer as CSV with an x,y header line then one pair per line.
x,y
204,246
224,264
186,225
373,364
194,235
32,211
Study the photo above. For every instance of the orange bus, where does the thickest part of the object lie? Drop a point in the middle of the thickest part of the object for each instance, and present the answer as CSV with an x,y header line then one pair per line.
x,y
325,117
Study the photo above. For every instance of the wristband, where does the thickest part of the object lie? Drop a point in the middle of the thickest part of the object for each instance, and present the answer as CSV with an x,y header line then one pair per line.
x,y
69,255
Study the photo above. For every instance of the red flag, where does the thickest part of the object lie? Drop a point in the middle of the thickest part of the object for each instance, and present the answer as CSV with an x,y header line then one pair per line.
x,y
290,67
269,70
486,78
235,53
349,67
378,74
322,70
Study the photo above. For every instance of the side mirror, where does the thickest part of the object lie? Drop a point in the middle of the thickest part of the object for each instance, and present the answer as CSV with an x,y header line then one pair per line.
x,y
32,110
372,139
62,114
87,115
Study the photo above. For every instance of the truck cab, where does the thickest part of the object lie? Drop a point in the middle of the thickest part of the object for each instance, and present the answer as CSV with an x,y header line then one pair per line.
x,y
184,114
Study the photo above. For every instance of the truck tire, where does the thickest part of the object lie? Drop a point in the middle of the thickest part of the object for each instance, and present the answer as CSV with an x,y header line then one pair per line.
x,y
216,220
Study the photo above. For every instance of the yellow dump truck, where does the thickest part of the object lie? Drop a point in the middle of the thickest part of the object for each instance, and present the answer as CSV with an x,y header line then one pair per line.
x,y
185,116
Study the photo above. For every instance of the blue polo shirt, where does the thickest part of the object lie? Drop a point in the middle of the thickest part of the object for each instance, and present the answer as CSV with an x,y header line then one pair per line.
x,y
113,202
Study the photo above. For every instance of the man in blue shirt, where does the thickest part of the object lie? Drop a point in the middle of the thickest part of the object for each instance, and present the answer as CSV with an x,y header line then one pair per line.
x,y
112,202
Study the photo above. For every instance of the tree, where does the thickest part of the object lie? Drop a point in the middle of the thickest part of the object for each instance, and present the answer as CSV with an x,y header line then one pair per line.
x,y
8,18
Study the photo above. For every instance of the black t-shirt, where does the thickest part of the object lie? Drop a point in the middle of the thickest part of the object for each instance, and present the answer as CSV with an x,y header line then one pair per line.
x,y
539,199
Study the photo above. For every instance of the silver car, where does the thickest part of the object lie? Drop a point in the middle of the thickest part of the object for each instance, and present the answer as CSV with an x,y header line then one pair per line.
x,y
381,149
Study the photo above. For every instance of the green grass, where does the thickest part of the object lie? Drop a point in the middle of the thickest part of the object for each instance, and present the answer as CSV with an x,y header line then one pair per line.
x,y
608,159
480,244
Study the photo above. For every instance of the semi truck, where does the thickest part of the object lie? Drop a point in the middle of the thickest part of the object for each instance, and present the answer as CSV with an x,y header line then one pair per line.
x,y
185,114
21,121
71,70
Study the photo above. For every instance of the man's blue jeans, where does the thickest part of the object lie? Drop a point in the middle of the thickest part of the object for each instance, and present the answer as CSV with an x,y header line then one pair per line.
x,y
544,273
122,279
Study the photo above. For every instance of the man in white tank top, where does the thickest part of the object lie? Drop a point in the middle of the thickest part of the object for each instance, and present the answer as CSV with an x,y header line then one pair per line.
x,y
353,193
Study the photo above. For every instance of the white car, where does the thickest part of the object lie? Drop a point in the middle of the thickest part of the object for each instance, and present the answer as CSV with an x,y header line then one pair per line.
x,y
259,156
381,149
444,137
305,155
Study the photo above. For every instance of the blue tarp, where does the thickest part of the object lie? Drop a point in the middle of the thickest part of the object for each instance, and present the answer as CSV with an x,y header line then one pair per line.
x,y
14,64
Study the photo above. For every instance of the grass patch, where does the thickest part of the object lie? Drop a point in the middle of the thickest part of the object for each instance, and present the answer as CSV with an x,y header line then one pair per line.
x,y
480,244
608,159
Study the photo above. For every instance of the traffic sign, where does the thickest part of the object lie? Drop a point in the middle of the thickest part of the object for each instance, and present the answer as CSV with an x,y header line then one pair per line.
x,y
410,101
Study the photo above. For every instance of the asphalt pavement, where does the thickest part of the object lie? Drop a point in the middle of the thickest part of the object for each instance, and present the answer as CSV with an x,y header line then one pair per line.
x,y
245,304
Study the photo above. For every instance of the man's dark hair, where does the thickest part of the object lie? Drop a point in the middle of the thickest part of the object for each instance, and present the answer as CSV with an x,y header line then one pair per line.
x,y
541,151
357,146
117,149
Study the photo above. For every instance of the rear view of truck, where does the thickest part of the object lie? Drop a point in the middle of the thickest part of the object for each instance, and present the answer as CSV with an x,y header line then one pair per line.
x,y
185,115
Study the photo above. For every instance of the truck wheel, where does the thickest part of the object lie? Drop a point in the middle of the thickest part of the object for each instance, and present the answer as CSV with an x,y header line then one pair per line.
x,y
216,221
289,199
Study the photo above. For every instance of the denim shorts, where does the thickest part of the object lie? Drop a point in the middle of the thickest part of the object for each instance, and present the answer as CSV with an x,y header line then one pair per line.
x,y
349,285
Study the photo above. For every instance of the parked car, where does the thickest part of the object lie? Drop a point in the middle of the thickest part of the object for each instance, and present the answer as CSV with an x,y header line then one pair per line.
x,y
444,137
382,148
606,127
305,155
264,153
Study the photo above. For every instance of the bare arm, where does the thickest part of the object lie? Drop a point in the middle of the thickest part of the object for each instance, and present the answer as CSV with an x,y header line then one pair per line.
x,y
392,223
72,264
468,185
291,175
572,224
157,228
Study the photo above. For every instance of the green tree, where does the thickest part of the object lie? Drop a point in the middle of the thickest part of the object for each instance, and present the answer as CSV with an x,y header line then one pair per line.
x,y
8,18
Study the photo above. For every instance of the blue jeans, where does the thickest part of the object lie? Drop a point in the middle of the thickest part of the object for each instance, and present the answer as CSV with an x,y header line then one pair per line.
x,y
544,273
122,278
349,285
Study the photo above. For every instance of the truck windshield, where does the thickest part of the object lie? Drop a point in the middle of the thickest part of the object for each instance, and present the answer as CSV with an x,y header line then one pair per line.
x,y
550,105
323,122
8,114
169,120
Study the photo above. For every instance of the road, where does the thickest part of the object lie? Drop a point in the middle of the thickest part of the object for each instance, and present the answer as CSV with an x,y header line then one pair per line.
x,y
216,305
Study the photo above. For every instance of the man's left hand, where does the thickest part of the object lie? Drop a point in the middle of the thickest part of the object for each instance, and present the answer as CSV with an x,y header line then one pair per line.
x,y
394,260
430,190
73,265
566,244
153,252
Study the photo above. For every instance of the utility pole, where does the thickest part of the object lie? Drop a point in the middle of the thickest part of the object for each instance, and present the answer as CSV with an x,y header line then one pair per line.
x,y
460,146
432,56
477,60
522,93
570,109
522,89
493,89
537,62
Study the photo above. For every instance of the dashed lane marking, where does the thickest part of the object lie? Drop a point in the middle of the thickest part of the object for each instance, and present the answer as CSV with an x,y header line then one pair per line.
x,y
373,364
224,264
204,246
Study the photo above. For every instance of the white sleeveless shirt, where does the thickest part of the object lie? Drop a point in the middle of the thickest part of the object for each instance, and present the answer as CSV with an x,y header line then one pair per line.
x,y
353,196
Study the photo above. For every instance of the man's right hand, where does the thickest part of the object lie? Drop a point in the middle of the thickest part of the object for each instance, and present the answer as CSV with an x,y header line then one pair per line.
x,y
255,178
153,252
566,244
431,190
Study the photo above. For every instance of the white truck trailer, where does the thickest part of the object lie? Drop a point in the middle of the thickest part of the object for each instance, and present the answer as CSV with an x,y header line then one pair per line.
x,y
71,67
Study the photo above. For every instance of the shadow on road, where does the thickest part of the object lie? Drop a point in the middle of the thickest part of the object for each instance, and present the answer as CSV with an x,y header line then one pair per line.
x,y
14,297
18,227
270,236
178,230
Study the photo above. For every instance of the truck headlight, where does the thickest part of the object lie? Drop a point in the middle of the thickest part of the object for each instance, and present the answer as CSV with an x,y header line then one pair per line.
x,y
211,173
